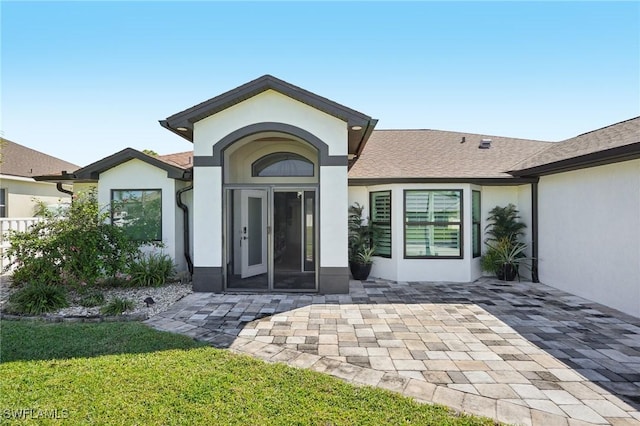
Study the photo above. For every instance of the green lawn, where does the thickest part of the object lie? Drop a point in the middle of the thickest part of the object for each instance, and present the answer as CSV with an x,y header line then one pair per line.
x,y
127,373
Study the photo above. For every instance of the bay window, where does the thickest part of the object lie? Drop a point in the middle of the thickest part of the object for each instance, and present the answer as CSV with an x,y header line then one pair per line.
x,y
432,224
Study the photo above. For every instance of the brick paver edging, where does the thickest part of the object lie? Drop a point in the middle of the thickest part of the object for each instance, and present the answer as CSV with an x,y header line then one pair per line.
x,y
75,318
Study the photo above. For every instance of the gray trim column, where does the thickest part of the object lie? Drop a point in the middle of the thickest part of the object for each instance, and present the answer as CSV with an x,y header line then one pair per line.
x,y
207,279
333,280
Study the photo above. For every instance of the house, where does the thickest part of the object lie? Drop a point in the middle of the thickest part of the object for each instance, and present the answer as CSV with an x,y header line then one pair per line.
x,y
261,203
19,190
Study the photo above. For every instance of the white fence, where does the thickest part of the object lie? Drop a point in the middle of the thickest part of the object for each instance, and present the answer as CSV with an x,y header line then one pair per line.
x,y
12,224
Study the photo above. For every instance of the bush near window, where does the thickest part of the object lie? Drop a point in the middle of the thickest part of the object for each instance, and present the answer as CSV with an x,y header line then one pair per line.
x,y
152,269
77,247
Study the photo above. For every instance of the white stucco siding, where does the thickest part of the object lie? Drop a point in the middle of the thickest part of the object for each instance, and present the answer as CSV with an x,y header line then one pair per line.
x,y
270,106
589,234
333,216
207,217
23,194
136,174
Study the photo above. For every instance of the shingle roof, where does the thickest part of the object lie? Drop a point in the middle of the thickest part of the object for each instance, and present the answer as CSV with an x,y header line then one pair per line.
x,y
593,146
440,154
179,159
18,160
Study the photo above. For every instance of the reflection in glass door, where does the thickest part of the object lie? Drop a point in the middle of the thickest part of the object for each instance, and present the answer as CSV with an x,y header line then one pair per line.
x,y
294,240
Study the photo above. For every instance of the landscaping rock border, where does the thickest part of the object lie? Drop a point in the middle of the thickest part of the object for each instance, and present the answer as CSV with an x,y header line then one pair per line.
x,y
163,296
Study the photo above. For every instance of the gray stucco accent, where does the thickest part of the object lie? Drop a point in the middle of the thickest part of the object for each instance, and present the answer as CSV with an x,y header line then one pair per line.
x,y
204,161
207,279
333,280
216,160
335,160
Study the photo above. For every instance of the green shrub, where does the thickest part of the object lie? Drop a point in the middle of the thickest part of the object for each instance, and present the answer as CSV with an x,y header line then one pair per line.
x,y
151,270
117,306
78,247
37,298
92,299
116,281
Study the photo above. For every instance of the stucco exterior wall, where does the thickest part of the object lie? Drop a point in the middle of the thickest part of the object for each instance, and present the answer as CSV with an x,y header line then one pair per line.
x,y
136,174
207,216
23,194
270,106
333,216
589,230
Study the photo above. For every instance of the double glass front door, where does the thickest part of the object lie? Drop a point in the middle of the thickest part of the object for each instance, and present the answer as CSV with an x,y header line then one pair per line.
x,y
271,239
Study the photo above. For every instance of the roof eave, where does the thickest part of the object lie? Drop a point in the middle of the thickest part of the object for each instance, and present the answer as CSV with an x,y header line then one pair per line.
x,y
484,181
189,116
599,158
93,170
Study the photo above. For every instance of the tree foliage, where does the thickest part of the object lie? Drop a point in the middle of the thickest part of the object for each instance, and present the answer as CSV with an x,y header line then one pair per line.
x,y
76,247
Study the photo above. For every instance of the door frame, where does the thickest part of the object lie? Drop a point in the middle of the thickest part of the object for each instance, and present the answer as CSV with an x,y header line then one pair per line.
x,y
270,189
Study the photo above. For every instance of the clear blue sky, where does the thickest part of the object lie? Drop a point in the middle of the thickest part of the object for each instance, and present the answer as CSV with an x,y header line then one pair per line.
x,y
82,80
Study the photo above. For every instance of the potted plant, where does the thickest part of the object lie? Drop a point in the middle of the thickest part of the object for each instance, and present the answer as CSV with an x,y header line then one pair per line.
x,y
504,257
362,243
505,252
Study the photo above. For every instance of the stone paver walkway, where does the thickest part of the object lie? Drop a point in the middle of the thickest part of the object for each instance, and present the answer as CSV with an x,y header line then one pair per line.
x,y
520,353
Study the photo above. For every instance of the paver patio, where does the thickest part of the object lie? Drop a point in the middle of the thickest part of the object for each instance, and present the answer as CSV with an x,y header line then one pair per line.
x,y
521,353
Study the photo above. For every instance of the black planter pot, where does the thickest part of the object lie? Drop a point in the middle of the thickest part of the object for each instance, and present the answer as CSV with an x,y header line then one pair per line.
x,y
507,272
360,271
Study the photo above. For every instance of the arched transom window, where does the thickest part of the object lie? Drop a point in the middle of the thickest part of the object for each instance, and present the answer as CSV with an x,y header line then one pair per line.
x,y
282,164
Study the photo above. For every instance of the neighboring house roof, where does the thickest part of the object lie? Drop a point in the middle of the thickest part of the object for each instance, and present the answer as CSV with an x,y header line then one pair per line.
x,y
435,154
19,160
182,122
93,170
179,159
617,142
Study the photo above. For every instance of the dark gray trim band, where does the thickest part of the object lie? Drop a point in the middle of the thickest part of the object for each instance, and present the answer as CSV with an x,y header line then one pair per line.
x,y
204,161
335,160
207,279
333,280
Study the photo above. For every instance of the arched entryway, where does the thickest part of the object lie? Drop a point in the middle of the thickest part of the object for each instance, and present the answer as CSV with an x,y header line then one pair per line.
x,y
270,216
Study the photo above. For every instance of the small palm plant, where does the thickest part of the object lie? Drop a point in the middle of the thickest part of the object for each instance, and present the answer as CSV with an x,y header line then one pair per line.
x,y
505,252
505,257
362,243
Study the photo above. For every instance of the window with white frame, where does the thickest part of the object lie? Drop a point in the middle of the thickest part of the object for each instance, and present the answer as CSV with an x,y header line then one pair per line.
x,y
380,207
433,224
139,212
